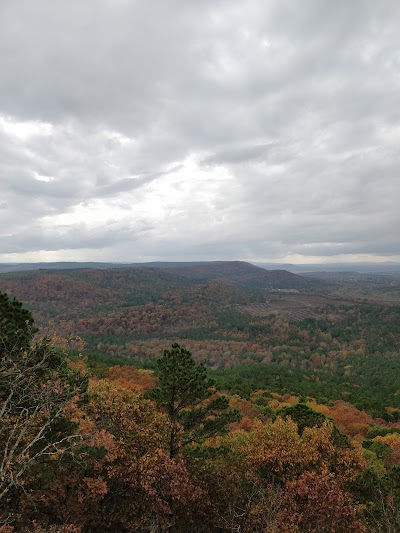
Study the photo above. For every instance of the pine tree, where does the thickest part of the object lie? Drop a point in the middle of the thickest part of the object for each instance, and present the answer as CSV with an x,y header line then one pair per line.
x,y
16,325
37,388
185,393
183,388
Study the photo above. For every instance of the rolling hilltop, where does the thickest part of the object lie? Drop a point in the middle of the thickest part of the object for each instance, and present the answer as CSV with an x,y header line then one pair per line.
x,y
238,272
242,273
117,310
80,294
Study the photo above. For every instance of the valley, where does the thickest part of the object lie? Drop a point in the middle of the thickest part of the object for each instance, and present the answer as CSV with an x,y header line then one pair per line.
x,y
328,335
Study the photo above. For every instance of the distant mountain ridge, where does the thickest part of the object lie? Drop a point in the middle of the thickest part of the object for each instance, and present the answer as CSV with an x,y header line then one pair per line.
x,y
360,267
60,265
240,272
73,265
367,267
236,272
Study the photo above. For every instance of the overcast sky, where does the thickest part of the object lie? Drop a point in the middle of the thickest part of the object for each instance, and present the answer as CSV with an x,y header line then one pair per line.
x,y
139,130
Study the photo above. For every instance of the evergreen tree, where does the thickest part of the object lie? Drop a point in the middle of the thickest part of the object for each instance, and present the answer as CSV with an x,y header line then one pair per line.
x,y
37,388
183,388
185,393
16,325
304,416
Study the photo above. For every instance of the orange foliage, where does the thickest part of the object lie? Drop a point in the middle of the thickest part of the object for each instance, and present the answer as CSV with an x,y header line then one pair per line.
x,y
350,420
280,453
277,401
393,441
131,378
245,408
277,450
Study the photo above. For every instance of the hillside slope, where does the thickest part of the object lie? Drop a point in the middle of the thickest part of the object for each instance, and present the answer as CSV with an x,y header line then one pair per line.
x,y
237,272
242,273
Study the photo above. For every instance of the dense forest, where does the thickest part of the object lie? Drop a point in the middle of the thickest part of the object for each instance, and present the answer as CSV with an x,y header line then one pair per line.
x,y
157,400
338,339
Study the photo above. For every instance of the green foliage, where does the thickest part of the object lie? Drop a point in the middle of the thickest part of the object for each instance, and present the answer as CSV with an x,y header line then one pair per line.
x,y
181,381
183,387
368,486
380,449
16,325
99,364
381,431
304,416
36,388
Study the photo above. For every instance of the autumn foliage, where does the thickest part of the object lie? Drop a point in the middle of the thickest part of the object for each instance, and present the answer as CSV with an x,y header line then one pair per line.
x,y
136,450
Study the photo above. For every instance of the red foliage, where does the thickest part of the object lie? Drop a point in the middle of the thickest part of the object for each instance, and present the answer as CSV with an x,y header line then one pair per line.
x,y
314,503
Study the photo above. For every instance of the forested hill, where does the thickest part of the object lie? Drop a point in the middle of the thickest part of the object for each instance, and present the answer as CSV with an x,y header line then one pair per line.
x,y
324,345
238,272
242,273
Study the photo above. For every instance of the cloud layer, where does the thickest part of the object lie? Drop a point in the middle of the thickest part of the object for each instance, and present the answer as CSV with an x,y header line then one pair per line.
x,y
186,130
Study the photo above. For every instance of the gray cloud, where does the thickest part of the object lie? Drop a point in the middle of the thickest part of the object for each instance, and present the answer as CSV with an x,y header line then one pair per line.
x,y
66,238
256,130
231,154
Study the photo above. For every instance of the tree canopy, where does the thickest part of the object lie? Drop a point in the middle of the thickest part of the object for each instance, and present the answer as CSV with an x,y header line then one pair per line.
x,y
37,387
183,387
